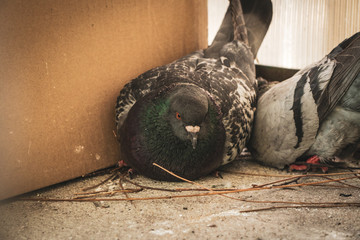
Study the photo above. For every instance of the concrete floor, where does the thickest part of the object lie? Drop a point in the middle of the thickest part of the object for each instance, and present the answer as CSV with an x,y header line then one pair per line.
x,y
201,217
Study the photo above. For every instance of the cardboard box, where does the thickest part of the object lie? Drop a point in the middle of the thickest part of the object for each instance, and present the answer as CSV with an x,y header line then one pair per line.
x,y
63,64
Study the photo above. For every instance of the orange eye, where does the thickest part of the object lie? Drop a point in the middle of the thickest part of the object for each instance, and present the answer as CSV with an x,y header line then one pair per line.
x,y
178,115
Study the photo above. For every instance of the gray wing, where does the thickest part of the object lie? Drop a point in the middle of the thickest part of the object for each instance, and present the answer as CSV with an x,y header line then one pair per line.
x,y
347,57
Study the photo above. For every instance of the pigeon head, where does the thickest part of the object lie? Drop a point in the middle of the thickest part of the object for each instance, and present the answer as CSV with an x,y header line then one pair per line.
x,y
188,112
178,128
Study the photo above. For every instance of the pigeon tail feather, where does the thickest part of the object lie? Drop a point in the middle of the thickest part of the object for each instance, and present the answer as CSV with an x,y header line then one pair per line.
x,y
246,21
223,36
257,16
347,57
240,31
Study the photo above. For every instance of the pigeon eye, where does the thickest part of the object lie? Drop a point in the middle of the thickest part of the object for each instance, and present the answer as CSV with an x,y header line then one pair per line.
x,y
178,116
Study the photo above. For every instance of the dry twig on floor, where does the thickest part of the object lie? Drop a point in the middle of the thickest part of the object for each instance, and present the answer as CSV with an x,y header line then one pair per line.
x,y
301,206
94,195
102,182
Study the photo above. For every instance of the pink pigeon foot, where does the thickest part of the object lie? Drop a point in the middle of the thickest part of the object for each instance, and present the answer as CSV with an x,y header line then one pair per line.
x,y
310,163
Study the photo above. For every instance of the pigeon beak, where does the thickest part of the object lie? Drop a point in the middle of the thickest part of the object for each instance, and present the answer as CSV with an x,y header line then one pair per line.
x,y
193,134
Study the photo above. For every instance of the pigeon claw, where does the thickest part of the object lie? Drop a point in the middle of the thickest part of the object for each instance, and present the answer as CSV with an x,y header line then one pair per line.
x,y
122,163
218,174
315,160
297,167
130,171
311,163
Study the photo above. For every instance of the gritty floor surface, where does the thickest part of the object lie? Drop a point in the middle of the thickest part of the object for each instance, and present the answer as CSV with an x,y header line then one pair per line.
x,y
289,211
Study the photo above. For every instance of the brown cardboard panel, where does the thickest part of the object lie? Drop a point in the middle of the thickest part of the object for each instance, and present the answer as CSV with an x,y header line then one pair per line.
x,y
62,64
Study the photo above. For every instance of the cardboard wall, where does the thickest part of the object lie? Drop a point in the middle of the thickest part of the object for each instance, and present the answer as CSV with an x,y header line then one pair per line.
x,y
62,65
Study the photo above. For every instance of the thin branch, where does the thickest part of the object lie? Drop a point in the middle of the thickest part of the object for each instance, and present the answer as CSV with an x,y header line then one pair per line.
x,y
283,175
330,185
122,188
301,206
209,193
278,181
101,183
346,184
151,188
128,190
109,193
184,179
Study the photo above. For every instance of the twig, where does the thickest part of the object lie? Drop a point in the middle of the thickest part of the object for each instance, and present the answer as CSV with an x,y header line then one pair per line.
x,y
309,184
176,189
101,172
89,193
101,183
254,174
288,182
122,188
295,203
301,206
330,185
129,190
282,180
202,189
111,193
184,179
355,173
151,188
283,175
346,184
209,193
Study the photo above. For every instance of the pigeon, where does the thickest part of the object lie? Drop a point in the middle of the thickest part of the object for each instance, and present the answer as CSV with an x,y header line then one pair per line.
x,y
196,113
313,115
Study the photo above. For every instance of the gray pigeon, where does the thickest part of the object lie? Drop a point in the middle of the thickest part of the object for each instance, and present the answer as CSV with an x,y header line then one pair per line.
x,y
314,115
196,113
